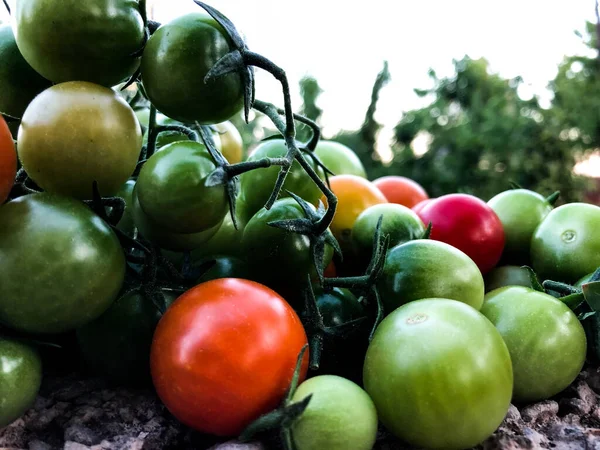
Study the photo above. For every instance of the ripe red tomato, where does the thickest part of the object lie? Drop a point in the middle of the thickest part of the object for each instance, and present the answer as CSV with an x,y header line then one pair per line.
x,y
224,353
469,224
419,206
401,190
8,161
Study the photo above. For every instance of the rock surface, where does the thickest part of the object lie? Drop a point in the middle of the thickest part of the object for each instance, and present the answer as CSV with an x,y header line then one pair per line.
x,y
80,414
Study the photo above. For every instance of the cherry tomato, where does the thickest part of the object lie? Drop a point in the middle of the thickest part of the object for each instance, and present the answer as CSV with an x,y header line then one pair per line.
x,y
338,158
232,146
419,206
468,224
401,190
225,267
8,161
224,353
502,276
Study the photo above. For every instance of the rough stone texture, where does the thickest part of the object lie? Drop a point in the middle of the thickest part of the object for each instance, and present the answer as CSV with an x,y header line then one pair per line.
x,y
73,413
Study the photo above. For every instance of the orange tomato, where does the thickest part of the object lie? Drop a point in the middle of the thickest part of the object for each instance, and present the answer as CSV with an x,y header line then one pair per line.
x,y
8,161
232,146
401,190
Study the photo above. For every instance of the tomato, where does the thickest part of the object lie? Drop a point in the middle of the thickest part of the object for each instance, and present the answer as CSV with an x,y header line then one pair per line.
x,y
338,158
222,343
426,269
72,40
75,133
566,245
153,232
340,416
338,306
502,276
172,192
225,267
126,224
401,190
284,258
232,146
8,161
399,222
354,194
468,224
547,343
20,83
62,266
439,374
520,211
177,58
256,186
20,379
419,206
117,344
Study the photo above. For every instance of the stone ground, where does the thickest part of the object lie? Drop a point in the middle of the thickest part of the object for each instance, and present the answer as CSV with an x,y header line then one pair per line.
x,y
79,414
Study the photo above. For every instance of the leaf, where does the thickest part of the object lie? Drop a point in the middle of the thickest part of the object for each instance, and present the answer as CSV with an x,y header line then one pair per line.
x,y
535,283
232,62
573,301
585,315
591,291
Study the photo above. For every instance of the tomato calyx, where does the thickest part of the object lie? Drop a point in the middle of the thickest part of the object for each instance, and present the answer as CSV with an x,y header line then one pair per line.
x,y
552,198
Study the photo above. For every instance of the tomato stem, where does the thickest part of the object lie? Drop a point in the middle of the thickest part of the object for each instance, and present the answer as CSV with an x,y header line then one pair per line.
x,y
152,133
7,7
552,198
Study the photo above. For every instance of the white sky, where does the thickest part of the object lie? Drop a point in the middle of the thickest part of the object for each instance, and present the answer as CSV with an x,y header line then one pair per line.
x,y
344,44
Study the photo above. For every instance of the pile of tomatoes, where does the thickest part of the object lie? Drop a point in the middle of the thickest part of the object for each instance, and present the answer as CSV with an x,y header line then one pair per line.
x,y
423,315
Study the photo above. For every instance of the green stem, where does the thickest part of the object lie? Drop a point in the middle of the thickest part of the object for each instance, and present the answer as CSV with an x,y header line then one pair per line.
x,y
551,199
152,133
7,7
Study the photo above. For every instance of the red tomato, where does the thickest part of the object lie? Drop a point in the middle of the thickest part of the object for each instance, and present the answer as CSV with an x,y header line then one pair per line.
x,y
401,190
419,206
8,161
469,224
224,353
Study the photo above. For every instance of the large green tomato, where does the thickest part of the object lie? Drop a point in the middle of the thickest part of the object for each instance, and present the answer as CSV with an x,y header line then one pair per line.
x,y
256,186
440,374
62,266
338,158
566,245
74,40
547,343
20,83
20,379
177,58
507,276
425,269
520,211
340,416
172,190
75,133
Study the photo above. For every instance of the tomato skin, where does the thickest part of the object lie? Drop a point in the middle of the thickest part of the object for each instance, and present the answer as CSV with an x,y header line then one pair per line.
x,y
20,83
547,343
425,269
62,265
225,267
20,379
232,146
520,211
8,161
439,365
340,159
179,54
256,186
222,343
419,206
566,245
73,40
75,133
502,276
469,224
401,190
339,416
172,191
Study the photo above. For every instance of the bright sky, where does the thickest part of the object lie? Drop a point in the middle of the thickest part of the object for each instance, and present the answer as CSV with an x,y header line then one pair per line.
x,y
343,44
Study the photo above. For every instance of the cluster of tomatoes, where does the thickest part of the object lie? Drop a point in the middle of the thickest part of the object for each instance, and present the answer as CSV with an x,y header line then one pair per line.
x,y
424,315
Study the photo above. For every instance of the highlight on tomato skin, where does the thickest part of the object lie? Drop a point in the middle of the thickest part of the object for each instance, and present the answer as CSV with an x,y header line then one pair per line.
x,y
224,354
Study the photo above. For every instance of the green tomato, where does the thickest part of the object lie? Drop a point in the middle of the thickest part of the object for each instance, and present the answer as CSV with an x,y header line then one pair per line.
x,y
426,269
20,379
117,344
520,211
338,158
20,83
399,222
507,276
73,40
75,133
153,232
62,265
176,57
566,245
225,267
172,191
547,343
256,186
339,416
439,373
583,280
